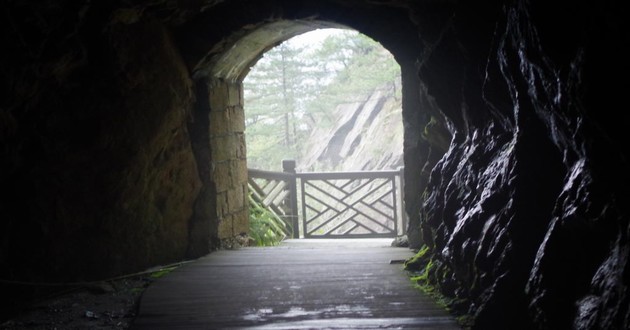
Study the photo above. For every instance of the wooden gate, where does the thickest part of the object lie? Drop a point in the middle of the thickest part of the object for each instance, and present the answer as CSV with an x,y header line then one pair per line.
x,y
332,205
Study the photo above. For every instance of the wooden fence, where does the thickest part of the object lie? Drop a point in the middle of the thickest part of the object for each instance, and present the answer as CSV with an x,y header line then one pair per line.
x,y
334,204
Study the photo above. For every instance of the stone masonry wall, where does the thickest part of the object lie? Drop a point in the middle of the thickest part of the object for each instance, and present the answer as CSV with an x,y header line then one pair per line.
x,y
96,163
228,167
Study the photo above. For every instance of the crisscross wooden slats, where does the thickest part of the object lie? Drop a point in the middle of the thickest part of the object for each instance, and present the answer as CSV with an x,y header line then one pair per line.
x,y
334,205
271,190
351,204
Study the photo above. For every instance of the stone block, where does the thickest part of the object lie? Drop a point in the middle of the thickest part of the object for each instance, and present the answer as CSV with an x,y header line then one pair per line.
x,y
237,119
219,95
221,176
223,148
236,199
235,94
225,229
240,222
219,123
239,146
238,172
222,204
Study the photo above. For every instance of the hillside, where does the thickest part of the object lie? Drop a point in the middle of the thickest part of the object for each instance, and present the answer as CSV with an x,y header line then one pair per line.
x,y
367,135
331,106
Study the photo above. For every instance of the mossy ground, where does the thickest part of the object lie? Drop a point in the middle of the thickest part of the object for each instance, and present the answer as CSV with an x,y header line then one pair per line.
x,y
421,269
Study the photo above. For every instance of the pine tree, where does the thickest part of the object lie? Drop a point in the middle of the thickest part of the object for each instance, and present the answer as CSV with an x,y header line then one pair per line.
x,y
293,89
272,106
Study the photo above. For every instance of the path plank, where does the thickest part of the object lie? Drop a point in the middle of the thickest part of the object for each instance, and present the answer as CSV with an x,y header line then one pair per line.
x,y
302,284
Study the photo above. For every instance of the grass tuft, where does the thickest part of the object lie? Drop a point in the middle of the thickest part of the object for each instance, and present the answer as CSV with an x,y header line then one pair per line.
x,y
265,227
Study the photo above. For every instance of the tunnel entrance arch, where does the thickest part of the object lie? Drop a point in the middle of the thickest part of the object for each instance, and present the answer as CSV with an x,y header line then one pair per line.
x,y
220,61
326,102
330,99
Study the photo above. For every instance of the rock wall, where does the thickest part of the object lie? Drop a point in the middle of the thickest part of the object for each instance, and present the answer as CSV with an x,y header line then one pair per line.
x,y
102,133
97,170
526,213
367,135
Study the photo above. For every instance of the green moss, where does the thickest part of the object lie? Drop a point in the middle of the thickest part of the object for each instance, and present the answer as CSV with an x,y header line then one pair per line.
x,y
424,272
162,272
138,290
436,135
466,321
419,261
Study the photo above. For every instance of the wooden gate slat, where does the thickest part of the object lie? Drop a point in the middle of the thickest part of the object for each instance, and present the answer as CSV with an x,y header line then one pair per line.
x,y
277,189
330,201
350,203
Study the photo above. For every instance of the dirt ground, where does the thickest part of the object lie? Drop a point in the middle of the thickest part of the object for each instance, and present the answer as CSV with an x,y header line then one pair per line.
x,y
105,305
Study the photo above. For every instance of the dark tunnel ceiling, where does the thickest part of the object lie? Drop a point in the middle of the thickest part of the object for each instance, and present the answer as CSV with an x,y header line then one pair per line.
x,y
233,63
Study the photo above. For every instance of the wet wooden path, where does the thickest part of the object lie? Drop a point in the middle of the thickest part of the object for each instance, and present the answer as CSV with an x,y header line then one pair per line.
x,y
302,284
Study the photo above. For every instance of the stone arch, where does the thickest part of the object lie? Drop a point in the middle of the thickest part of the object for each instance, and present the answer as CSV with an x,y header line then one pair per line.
x,y
221,59
99,118
234,63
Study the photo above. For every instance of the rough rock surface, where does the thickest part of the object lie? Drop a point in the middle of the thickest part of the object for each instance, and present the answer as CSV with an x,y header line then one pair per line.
x,y
526,214
367,135
100,156
96,166
105,165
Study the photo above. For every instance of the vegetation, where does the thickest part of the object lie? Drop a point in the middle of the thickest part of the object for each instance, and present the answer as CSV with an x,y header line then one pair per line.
x,y
418,261
265,227
162,272
422,271
296,87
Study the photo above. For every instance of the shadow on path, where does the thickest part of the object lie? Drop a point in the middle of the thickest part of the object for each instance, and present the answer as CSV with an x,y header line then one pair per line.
x,y
301,284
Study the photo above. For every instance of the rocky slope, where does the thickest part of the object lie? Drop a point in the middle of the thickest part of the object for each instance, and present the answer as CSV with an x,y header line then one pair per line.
x,y
367,135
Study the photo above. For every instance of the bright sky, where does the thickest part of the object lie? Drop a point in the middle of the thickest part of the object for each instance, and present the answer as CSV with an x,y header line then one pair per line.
x,y
314,37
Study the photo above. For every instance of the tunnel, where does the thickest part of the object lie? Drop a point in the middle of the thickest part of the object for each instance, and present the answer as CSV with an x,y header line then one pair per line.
x,y
122,142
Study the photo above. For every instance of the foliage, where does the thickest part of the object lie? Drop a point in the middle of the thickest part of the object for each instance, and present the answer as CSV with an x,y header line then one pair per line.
x,y
422,269
366,65
295,88
265,227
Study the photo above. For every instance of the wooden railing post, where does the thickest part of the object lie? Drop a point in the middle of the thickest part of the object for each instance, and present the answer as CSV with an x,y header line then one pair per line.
x,y
401,193
288,166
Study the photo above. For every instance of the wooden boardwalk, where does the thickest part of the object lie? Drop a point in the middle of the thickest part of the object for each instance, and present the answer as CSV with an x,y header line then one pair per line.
x,y
302,284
